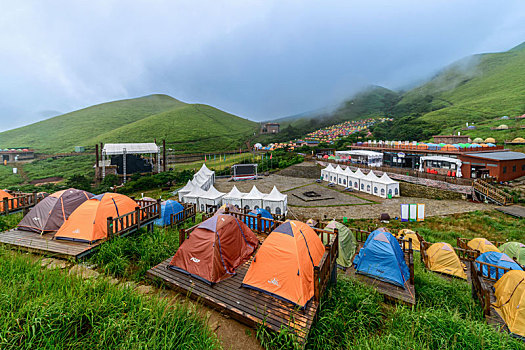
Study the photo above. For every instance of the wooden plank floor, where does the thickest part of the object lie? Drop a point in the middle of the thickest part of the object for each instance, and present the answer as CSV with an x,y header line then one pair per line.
x,y
246,305
45,244
390,291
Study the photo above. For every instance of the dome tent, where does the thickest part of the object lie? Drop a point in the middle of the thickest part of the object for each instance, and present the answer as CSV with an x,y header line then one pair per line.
x,y
498,259
478,140
284,265
502,127
347,243
381,257
515,250
407,234
51,213
252,219
482,245
167,209
443,258
509,291
490,140
215,249
88,223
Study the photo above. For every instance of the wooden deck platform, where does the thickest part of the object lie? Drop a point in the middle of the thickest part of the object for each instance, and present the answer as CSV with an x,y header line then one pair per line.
x,y
514,210
45,244
249,306
392,292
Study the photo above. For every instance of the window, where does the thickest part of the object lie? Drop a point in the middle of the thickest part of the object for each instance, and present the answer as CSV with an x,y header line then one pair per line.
x,y
278,211
375,189
362,187
513,168
268,209
390,191
504,170
396,191
344,181
523,167
247,207
356,185
339,180
368,188
256,207
202,207
382,191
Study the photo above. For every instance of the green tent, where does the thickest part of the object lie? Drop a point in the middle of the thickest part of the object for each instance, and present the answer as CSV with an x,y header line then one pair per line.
x,y
515,250
347,243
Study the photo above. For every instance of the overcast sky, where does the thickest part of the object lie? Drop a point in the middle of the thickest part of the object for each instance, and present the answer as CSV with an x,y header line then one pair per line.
x,y
257,59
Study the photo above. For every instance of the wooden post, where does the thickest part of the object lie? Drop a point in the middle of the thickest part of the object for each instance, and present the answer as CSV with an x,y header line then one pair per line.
x,y
159,208
137,214
182,236
411,267
317,293
259,227
6,205
110,227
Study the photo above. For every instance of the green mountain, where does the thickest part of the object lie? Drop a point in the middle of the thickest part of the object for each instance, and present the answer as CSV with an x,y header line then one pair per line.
x,y
478,89
186,127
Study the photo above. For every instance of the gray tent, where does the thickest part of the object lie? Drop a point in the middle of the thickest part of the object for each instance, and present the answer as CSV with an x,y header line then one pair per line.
x,y
50,213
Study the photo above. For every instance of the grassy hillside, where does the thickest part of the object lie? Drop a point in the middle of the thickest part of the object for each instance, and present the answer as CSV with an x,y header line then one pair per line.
x,y
478,89
134,120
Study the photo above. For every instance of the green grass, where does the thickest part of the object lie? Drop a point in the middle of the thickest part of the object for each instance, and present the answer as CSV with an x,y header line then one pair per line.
x,y
49,309
7,178
186,127
8,222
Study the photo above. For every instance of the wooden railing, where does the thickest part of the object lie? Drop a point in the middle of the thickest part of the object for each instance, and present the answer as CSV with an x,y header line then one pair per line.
x,y
188,212
146,211
480,288
463,254
20,202
324,273
492,192
485,270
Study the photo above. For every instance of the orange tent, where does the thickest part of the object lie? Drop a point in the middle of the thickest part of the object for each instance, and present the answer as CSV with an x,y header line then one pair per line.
x,y
284,265
88,223
4,194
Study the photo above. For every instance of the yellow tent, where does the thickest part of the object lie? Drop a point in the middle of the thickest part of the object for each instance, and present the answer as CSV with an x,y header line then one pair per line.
x,y
442,258
510,300
490,140
482,245
406,234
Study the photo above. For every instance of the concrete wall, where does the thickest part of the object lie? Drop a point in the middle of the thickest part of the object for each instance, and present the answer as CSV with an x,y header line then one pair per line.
x,y
413,190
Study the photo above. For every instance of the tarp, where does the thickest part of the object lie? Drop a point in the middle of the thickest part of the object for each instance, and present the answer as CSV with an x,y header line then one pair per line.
x,y
515,250
284,265
88,223
347,242
509,291
215,249
381,257
443,258
131,148
498,259
51,212
482,245
168,208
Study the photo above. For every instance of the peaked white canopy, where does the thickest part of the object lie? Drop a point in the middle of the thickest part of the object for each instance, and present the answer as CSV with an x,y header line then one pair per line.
x,y
276,202
234,197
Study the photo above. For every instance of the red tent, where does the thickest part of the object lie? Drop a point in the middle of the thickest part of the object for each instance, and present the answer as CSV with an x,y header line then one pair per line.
x,y
215,249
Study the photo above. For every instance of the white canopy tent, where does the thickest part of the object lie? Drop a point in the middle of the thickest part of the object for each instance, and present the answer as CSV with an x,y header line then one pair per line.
x,y
212,197
253,199
341,176
234,197
328,173
203,181
392,186
186,189
206,172
194,196
374,183
356,179
275,202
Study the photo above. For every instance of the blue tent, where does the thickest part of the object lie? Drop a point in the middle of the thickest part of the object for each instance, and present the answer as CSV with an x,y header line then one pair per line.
x,y
252,222
498,259
167,208
381,257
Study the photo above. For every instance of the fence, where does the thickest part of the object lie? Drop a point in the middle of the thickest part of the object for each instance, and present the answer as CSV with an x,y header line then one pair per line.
x,y
144,214
20,202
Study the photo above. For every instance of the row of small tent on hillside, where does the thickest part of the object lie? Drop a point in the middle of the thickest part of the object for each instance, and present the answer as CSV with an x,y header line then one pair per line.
x,y
76,215
275,202
382,186
490,142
